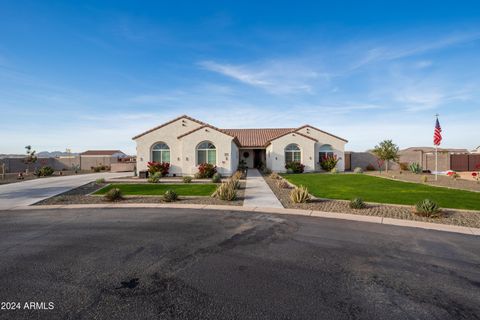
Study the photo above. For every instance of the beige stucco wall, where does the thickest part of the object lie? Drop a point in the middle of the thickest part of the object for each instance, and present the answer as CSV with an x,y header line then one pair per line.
x,y
276,152
226,165
338,146
250,158
167,134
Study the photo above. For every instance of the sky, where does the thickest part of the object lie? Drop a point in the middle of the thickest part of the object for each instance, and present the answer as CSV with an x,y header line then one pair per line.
x,y
93,74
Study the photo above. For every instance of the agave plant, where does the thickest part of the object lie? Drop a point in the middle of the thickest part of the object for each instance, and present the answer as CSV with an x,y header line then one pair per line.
x,y
415,167
300,195
427,208
357,203
170,196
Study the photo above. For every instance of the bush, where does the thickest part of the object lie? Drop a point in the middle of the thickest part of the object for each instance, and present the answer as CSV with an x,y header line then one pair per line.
x,y
170,196
403,166
283,184
45,172
242,165
226,191
237,175
155,178
217,178
357,203
415,168
329,162
187,179
370,167
334,170
300,195
97,169
427,208
358,170
114,195
206,171
294,167
266,171
161,167
275,176
100,181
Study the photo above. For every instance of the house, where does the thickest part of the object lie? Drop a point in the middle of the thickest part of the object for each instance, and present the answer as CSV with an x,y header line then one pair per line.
x,y
95,158
185,143
476,150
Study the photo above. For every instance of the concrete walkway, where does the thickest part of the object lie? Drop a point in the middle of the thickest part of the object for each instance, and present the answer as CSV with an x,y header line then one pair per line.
x,y
25,193
258,193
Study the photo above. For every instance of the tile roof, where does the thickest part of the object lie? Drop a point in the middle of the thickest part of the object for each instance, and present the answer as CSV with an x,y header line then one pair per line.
x,y
257,137
100,152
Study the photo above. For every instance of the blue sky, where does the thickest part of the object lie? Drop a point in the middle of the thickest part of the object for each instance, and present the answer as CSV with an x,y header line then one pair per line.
x,y
92,74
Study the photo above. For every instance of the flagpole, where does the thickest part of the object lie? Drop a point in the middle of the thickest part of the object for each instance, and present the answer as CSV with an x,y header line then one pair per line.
x,y
436,156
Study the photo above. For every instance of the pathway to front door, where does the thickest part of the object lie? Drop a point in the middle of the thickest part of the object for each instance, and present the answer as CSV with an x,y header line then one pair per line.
x,y
258,193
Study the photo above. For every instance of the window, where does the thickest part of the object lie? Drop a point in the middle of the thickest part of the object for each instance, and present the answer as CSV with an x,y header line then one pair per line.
x,y
325,151
293,153
161,152
206,153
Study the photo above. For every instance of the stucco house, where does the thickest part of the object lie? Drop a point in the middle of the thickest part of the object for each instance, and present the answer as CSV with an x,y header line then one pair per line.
x,y
185,143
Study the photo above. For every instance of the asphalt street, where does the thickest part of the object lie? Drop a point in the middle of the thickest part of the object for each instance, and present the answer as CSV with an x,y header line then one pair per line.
x,y
197,264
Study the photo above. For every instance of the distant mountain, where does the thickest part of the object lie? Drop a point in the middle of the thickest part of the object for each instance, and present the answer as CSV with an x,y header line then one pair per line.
x,y
41,154
53,154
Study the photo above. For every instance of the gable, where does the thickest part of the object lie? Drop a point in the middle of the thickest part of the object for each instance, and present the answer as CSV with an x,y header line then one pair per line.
x,y
186,124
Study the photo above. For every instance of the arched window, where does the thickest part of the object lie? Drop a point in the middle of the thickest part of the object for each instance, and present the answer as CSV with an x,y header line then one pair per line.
x,y
325,151
161,152
293,153
206,153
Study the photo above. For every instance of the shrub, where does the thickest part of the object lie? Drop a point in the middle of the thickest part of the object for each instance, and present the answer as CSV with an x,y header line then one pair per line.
x,y
170,196
415,168
267,171
97,169
206,171
226,191
295,166
274,176
300,195
242,165
283,184
237,175
334,170
358,170
403,166
100,181
155,178
357,203
161,167
329,162
370,167
217,178
45,172
114,195
427,208
187,179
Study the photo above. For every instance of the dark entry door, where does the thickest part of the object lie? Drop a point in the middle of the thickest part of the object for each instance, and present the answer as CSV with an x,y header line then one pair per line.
x,y
258,157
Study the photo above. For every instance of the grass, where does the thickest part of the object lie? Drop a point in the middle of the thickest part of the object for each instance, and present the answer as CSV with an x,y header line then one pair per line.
x,y
374,189
132,189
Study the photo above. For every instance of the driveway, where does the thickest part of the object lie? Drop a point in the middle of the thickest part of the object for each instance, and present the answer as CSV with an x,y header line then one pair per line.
x,y
188,264
28,192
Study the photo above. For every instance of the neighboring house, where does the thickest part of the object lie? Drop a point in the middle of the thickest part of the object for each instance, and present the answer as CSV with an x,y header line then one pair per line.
x,y
185,143
94,158
477,150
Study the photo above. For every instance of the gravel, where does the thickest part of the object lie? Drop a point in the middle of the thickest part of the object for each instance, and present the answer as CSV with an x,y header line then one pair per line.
x,y
448,216
81,195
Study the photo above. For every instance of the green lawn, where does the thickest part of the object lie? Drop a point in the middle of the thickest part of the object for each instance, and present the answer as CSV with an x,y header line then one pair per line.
x,y
159,189
374,189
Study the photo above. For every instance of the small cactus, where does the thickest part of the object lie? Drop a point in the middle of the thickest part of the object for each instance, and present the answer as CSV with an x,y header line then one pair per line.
x,y
187,179
114,194
300,195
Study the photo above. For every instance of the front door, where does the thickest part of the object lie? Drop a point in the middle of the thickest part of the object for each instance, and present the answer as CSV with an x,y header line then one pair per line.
x,y
258,157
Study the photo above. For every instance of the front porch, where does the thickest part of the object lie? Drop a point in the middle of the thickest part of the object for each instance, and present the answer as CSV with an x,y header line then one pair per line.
x,y
253,157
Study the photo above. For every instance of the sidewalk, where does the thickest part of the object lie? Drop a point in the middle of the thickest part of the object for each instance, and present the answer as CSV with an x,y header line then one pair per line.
x,y
258,193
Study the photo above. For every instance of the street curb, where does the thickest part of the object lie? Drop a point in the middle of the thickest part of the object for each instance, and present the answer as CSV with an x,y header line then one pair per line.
x,y
311,213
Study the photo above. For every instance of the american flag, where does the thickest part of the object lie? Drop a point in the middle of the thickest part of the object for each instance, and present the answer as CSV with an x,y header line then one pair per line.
x,y
437,134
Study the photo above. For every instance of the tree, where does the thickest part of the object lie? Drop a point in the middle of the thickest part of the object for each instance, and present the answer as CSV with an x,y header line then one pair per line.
x,y
386,151
31,156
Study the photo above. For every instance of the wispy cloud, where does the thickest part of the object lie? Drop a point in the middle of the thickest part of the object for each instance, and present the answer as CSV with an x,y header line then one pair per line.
x,y
274,76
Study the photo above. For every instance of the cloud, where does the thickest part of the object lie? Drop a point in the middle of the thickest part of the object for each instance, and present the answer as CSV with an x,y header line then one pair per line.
x,y
274,76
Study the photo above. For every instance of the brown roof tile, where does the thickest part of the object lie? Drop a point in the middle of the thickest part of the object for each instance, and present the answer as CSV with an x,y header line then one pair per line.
x,y
100,152
257,137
